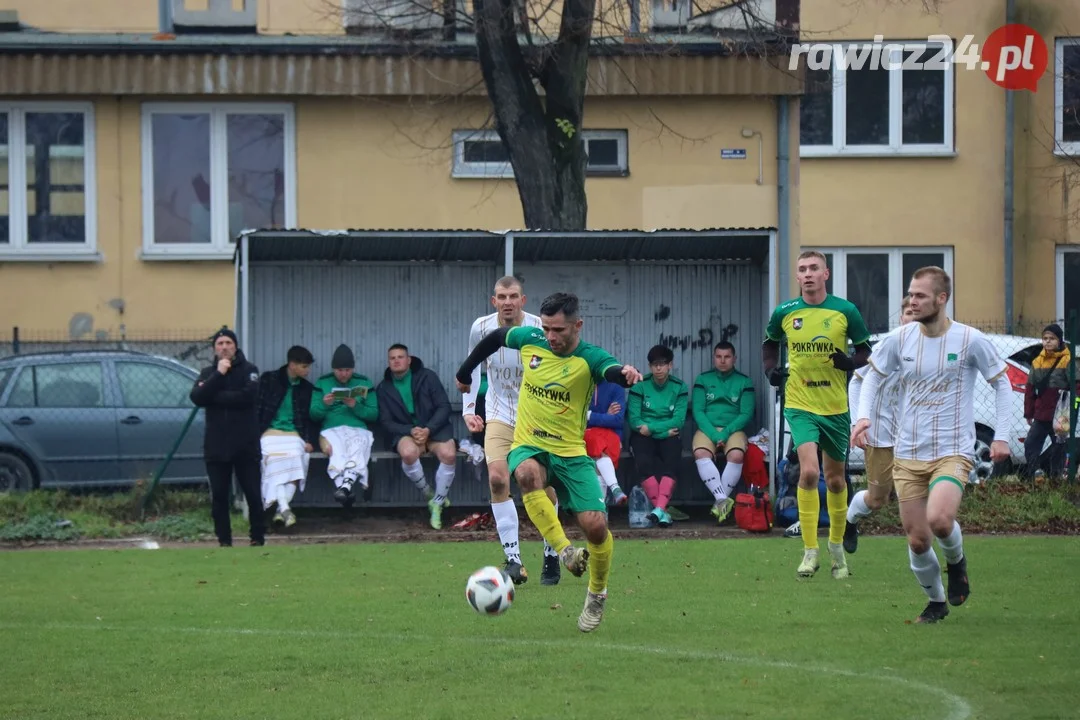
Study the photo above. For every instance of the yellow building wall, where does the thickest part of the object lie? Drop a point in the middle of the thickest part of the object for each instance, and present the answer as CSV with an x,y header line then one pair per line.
x,y
365,163
953,201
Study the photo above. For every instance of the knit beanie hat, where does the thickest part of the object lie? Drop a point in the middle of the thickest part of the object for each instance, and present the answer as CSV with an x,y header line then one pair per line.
x,y
224,332
343,358
1056,329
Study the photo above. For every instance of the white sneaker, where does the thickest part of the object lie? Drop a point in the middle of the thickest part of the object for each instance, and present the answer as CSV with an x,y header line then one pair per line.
x,y
793,530
839,561
809,564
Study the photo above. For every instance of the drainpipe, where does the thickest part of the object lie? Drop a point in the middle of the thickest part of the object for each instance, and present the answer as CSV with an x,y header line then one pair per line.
x,y
165,16
783,194
1010,120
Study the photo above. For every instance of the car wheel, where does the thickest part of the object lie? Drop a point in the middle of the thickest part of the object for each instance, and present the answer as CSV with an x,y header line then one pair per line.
x,y
15,474
984,467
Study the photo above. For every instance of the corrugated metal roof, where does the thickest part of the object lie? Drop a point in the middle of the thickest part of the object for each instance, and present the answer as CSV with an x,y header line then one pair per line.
x,y
674,244
217,70
716,43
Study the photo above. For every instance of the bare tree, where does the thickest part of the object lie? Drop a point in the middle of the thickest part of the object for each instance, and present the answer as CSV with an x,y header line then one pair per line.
x,y
533,56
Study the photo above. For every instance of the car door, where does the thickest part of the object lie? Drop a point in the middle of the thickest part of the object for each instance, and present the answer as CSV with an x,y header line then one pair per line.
x,y
59,413
154,405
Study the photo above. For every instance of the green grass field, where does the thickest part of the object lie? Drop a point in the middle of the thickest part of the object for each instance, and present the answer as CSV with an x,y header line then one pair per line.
x,y
694,629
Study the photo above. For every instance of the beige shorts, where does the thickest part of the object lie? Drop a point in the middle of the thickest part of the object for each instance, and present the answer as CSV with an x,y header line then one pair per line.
x,y
736,441
914,477
498,438
879,467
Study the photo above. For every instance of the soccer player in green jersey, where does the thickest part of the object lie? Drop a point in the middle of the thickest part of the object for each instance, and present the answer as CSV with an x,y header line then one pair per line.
x,y
560,373
817,326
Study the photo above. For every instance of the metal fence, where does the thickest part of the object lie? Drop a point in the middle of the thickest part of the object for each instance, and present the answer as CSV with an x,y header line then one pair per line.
x,y
107,410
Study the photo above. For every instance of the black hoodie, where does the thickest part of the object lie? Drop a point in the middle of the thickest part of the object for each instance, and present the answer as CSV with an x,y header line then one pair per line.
x,y
430,401
229,399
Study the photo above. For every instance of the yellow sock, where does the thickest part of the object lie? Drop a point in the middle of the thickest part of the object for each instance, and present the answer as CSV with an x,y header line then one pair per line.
x,y
837,504
542,513
600,563
809,511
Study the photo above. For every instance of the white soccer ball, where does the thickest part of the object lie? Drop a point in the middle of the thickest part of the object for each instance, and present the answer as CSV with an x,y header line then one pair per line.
x,y
490,591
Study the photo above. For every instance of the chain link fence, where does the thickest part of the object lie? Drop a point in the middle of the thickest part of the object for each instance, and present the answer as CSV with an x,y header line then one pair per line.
x,y
1018,346
106,411
99,412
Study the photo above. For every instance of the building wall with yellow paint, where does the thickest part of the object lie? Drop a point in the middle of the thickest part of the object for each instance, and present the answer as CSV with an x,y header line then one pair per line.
x,y
958,200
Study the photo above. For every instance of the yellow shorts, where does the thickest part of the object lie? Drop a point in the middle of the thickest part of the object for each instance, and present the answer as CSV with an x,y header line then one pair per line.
x,y
914,477
879,467
736,441
498,437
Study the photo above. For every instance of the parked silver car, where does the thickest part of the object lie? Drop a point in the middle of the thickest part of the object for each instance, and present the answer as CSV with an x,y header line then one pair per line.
x,y
95,418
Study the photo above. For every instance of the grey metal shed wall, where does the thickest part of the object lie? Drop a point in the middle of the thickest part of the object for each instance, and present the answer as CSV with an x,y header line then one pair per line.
x,y
369,307
627,308
686,307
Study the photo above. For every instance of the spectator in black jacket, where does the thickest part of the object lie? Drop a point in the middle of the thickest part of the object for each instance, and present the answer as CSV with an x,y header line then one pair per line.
x,y
228,389
288,434
414,409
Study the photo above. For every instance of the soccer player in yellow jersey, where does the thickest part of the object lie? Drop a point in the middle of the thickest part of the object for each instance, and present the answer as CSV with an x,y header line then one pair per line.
x,y
817,327
560,373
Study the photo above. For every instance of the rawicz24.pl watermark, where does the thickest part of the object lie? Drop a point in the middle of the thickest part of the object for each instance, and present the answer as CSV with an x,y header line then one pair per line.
x,y
1014,56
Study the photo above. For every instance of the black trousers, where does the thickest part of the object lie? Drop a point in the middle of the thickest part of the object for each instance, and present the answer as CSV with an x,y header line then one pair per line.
x,y
248,475
1053,462
656,457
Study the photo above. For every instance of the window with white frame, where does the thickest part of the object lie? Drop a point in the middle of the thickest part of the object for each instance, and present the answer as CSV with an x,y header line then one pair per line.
x,y
876,279
1068,282
1067,96
47,199
903,105
211,171
481,154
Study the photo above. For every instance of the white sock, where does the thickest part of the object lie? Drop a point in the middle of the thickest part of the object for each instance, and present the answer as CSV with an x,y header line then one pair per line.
x,y
858,508
415,473
730,478
548,550
285,493
506,522
928,571
606,469
709,475
444,478
953,545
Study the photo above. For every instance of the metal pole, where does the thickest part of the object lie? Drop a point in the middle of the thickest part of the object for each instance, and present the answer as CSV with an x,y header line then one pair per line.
x,y
1073,328
245,282
165,463
508,262
15,340
783,192
1010,122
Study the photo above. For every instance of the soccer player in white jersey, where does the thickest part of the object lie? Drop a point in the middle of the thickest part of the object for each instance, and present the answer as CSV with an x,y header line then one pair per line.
x,y
504,371
879,444
939,362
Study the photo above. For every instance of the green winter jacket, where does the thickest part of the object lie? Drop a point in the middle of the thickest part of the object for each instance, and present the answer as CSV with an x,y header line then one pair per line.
x,y
658,408
722,401
337,415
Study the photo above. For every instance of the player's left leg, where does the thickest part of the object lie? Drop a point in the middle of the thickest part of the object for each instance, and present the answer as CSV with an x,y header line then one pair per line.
x,y
835,437
946,492
585,498
805,436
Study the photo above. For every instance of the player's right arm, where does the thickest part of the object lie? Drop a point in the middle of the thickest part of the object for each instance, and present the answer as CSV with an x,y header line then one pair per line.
x,y
487,345
770,349
854,387
468,397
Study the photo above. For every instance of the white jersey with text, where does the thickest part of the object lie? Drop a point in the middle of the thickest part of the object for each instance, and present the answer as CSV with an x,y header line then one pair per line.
x,y
882,432
936,377
504,373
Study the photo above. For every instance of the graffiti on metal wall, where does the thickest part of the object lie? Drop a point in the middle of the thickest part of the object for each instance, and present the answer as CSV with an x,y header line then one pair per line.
x,y
703,337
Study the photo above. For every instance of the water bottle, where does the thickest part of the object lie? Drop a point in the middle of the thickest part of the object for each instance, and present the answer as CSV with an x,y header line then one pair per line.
x,y
639,508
